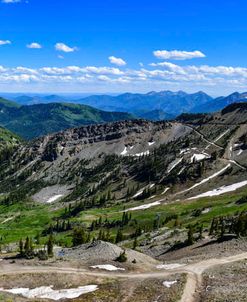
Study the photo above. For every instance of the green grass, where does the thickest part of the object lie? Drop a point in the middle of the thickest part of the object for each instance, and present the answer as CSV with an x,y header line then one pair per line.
x,y
32,218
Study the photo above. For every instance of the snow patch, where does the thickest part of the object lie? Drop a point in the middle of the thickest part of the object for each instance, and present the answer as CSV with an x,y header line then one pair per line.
x,y
141,191
199,157
169,283
166,189
141,154
151,143
47,292
8,219
240,152
108,267
184,151
206,179
144,207
54,198
125,151
222,190
181,171
207,210
174,164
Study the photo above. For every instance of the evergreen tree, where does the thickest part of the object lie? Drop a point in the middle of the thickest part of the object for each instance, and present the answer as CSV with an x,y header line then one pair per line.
x,y
119,236
78,236
50,246
21,247
27,246
135,243
190,236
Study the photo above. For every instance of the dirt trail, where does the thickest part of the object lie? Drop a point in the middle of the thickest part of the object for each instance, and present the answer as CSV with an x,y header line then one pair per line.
x,y
203,137
194,272
213,143
193,283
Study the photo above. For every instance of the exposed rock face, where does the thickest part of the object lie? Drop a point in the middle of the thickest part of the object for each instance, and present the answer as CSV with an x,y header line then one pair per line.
x,y
100,252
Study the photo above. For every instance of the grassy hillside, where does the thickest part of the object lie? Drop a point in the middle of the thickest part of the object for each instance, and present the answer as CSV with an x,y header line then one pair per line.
x,y
37,120
7,138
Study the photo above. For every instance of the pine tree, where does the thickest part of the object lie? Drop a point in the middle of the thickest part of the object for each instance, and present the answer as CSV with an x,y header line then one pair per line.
x,y
21,247
27,246
190,236
50,246
78,236
119,236
135,243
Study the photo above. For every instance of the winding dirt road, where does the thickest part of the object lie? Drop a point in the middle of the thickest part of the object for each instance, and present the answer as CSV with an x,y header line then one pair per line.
x,y
193,270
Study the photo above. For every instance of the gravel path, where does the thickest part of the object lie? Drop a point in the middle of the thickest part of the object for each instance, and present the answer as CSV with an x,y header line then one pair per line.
x,y
194,272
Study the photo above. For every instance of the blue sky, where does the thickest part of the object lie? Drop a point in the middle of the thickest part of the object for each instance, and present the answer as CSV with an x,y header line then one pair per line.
x,y
117,46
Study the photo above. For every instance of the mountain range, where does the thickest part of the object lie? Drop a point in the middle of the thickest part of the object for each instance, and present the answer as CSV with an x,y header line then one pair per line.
x,y
41,119
34,116
152,105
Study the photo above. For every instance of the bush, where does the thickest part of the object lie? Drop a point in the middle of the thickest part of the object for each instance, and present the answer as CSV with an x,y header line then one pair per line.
x,y
42,255
122,257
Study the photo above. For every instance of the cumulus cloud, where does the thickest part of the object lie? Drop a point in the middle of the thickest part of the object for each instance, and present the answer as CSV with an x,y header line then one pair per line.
x,y
34,45
10,1
117,61
4,42
156,77
65,48
178,54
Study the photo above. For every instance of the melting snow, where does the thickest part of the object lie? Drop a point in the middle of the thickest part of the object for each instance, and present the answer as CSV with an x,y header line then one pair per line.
x,y
169,266
206,179
108,267
138,193
222,190
166,189
199,157
169,283
205,211
54,198
8,219
141,154
174,164
181,171
240,152
125,151
46,292
184,151
141,191
144,206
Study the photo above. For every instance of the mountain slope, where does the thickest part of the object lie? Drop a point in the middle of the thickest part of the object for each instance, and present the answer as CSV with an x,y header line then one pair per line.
x,y
36,120
170,154
172,103
220,103
8,139
156,115
32,100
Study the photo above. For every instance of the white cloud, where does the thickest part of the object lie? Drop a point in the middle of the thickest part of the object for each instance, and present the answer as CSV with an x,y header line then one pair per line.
x,y
158,76
4,42
65,48
178,54
34,45
117,61
10,1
